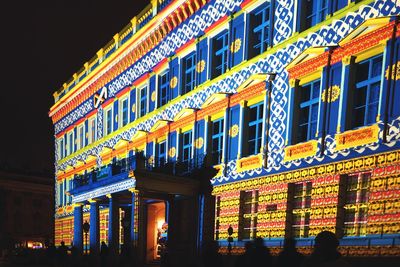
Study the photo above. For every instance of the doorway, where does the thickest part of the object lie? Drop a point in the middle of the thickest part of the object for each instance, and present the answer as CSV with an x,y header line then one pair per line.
x,y
157,230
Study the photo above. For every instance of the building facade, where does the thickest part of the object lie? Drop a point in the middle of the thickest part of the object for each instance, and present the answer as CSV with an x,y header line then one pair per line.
x,y
26,207
294,104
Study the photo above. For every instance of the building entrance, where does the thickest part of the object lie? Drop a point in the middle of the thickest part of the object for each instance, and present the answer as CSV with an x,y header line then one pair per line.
x,y
156,229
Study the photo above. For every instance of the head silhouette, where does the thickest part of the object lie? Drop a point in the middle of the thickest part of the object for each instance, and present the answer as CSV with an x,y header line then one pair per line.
x,y
290,243
326,241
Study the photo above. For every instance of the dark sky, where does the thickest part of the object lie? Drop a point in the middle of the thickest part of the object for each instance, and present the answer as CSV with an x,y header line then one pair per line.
x,y
43,43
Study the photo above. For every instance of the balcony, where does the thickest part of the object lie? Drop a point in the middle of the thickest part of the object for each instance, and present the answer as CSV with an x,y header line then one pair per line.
x,y
118,170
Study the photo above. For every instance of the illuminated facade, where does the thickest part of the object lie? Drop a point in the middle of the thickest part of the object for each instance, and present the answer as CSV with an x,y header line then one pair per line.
x,y
185,86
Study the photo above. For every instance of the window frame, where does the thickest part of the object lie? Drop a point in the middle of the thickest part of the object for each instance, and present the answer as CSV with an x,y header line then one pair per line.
x,y
160,155
121,111
163,86
188,147
108,118
223,52
303,210
360,203
306,14
142,99
70,141
191,71
368,83
92,130
259,128
264,27
81,137
252,216
308,104
220,137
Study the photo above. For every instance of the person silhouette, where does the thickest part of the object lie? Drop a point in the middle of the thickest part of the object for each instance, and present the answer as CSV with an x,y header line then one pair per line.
x,y
289,256
104,254
62,253
210,256
245,259
261,255
325,252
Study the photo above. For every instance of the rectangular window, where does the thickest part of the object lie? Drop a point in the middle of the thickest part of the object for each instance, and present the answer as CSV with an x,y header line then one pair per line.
x,y
313,12
248,214
143,102
92,130
259,39
217,140
368,74
220,54
124,112
61,148
163,91
70,143
356,204
81,137
189,73
255,128
308,111
108,122
186,146
301,202
60,194
161,154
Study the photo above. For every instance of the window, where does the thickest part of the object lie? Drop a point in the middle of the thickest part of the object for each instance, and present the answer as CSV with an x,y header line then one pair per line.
x,y
124,112
161,153
356,203
339,4
308,111
220,54
108,122
301,202
255,128
143,101
259,39
366,92
70,143
186,146
313,12
217,140
189,73
248,214
81,137
61,148
92,130
163,91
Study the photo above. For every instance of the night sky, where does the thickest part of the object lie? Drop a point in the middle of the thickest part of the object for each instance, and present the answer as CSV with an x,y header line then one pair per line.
x,y
43,43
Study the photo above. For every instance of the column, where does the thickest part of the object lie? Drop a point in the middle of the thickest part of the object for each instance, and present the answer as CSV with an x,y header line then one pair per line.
x,y
94,227
78,230
113,225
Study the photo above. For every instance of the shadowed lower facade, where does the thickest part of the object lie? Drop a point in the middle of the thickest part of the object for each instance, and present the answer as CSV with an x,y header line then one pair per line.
x,y
276,118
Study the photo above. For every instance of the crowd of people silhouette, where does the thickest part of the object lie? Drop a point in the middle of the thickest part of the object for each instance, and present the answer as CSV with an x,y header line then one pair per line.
x,y
325,254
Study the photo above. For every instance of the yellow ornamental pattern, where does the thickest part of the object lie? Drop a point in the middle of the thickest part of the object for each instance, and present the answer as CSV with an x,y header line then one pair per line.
x,y
173,82
236,45
200,66
234,130
395,71
333,94
153,96
172,152
199,142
